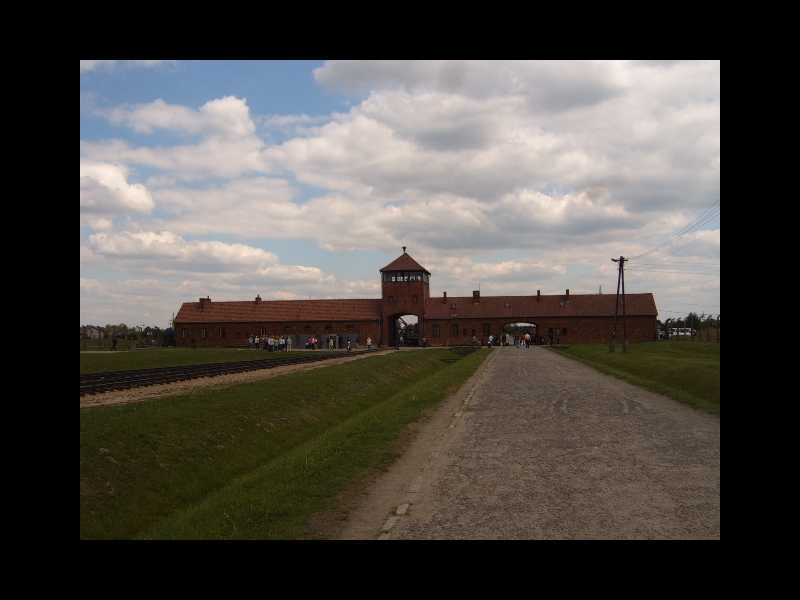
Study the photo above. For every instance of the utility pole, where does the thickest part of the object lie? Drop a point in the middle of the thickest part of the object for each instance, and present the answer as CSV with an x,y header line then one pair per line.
x,y
620,282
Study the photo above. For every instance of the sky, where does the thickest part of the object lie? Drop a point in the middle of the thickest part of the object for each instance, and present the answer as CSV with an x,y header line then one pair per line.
x,y
301,179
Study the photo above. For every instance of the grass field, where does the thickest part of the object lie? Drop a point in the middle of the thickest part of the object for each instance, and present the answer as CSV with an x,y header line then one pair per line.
x,y
169,357
688,372
255,460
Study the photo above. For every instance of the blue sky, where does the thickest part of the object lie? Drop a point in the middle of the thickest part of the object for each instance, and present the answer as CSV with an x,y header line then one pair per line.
x,y
296,179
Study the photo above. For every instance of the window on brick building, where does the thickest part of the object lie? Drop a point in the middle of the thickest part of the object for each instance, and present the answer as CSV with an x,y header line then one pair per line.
x,y
454,330
221,332
487,329
436,330
185,332
203,332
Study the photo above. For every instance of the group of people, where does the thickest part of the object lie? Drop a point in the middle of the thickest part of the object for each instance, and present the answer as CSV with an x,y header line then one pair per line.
x,y
271,343
523,341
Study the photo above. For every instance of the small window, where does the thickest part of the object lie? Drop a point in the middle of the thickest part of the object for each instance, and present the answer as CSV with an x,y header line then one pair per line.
x,y
221,332
307,328
436,330
453,306
185,332
203,332
454,330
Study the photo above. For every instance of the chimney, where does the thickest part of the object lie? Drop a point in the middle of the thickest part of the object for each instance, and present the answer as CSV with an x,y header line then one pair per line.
x,y
204,301
538,295
444,297
567,293
476,295
404,249
258,299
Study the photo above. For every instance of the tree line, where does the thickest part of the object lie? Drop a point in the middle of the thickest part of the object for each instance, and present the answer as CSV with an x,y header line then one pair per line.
x,y
693,320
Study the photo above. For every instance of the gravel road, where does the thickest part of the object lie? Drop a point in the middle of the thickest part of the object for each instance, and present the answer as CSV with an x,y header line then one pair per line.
x,y
548,448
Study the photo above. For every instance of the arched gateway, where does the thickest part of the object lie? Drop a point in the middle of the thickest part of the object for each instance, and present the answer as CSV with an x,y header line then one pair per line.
x,y
405,290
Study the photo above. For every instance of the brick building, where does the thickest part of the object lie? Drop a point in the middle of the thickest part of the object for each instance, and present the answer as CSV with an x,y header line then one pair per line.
x,y
568,318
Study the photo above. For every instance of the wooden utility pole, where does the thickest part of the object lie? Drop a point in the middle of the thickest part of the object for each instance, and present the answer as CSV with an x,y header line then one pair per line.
x,y
620,282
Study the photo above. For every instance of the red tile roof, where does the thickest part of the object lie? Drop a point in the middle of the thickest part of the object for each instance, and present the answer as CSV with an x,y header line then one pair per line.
x,y
280,310
578,305
518,307
404,262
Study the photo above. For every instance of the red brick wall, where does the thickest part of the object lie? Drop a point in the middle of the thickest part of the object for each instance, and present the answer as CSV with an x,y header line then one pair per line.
x,y
237,334
579,329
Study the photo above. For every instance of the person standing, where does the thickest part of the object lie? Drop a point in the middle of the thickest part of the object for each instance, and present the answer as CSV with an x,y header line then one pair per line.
x,y
527,340
369,343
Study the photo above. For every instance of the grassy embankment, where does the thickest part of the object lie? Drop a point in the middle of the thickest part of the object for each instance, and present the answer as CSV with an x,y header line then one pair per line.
x,y
255,460
688,372
170,357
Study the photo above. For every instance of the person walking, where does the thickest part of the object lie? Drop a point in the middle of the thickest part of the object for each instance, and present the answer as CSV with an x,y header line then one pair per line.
x,y
369,343
527,340
349,347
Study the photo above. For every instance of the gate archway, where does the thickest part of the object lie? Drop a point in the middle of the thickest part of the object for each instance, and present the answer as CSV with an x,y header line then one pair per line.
x,y
405,330
513,331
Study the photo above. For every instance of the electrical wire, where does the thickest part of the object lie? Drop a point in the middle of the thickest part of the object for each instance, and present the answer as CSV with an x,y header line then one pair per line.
x,y
705,217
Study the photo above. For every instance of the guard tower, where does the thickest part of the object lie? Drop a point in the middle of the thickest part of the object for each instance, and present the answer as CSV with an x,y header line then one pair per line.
x,y
405,291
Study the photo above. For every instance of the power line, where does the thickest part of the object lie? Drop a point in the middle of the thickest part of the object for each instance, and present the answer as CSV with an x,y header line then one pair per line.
x,y
645,271
706,216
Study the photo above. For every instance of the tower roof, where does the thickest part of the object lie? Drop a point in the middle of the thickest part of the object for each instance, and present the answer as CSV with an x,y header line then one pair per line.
x,y
404,262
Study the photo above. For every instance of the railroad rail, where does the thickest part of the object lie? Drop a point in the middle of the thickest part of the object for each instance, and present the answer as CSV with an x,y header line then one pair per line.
x,y
97,383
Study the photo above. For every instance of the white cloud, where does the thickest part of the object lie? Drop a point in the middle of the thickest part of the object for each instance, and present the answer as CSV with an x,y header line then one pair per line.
x,y
517,174
87,66
167,246
105,191
228,145
228,116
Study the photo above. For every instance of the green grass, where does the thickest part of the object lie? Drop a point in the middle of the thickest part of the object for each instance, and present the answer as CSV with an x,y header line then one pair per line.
x,y
255,460
169,357
684,371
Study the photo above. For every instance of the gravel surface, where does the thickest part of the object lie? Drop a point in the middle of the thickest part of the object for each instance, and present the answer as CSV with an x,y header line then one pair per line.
x,y
545,447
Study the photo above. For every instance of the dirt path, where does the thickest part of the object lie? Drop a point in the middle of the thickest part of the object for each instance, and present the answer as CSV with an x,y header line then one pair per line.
x,y
537,446
181,387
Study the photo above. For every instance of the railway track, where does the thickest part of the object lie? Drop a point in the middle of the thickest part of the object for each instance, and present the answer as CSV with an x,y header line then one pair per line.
x,y
97,383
